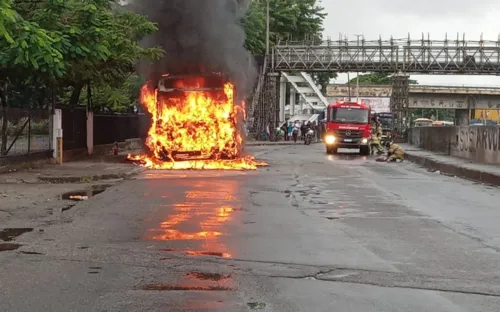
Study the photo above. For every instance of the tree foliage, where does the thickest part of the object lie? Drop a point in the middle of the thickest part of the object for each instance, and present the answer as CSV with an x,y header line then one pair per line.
x,y
289,20
70,44
62,46
376,79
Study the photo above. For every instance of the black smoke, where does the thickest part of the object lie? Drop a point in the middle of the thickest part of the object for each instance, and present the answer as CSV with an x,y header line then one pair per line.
x,y
200,35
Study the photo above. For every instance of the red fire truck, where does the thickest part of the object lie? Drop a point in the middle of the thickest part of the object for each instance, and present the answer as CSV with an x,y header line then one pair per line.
x,y
347,126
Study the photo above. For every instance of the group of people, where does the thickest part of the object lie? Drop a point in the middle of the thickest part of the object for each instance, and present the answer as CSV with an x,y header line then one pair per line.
x,y
297,130
394,151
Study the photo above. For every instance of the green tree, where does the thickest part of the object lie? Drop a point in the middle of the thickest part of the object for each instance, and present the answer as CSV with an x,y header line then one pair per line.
x,y
101,43
62,46
119,98
28,53
98,42
7,17
289,20
376,79
323,79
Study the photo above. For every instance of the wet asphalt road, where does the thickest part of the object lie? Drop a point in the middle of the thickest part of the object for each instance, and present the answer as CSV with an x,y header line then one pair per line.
x,y
309,233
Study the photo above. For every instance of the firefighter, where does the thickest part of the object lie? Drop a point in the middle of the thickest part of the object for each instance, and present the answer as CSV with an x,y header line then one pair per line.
x,y
394,152
378,127
375,142
374,125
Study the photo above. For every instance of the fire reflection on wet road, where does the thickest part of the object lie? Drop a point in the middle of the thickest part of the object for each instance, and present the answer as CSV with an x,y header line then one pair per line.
x,y
196,217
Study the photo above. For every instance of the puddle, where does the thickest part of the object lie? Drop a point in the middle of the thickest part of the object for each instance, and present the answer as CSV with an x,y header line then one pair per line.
x,y
167,287
85,194
9,246
9,234
207,276
196,281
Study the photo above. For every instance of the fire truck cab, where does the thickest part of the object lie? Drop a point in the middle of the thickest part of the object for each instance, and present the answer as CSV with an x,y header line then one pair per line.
x,y
347,126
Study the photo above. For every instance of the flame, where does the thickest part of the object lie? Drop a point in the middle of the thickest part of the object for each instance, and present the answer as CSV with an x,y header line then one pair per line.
x,y
203,122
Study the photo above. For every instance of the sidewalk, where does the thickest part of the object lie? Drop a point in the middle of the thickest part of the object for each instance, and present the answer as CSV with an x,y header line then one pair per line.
x,y
34,197
454,166
82,171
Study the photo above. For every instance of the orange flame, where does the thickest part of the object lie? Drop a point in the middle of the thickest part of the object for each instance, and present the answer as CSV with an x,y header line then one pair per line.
x,y
199,121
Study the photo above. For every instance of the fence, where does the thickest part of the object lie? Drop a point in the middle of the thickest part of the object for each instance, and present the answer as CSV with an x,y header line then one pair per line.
x,y
26,132
110,128
74,125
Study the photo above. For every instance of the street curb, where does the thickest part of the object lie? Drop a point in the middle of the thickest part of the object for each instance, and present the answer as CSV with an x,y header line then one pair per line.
x,y
93,178
455,170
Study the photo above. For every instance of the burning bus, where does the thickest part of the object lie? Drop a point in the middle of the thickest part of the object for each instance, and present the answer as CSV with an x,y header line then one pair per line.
x,y
195,118
195,124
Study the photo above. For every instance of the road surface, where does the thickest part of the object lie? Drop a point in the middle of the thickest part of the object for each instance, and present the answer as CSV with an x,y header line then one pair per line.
x,y
310,232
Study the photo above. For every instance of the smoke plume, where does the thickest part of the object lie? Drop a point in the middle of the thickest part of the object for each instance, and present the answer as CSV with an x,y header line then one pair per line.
x,y
200,34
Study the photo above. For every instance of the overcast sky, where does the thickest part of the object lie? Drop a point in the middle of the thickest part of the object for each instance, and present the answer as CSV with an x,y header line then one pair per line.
x,y
399,17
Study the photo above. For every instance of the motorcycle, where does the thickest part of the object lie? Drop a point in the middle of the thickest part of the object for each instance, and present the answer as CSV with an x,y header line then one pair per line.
x,y
309,137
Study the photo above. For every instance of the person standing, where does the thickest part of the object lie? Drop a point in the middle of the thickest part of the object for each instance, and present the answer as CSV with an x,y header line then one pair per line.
x,y
290,129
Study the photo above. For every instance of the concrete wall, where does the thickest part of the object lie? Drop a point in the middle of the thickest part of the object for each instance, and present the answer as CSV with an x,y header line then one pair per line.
x,y
436,139
481,144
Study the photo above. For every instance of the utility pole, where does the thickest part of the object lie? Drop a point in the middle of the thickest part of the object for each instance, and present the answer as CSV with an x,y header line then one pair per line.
x,y
267,27
349,86
357,73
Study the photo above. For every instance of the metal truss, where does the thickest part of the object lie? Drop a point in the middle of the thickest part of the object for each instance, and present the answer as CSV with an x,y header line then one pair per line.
x,y
266,113
399,106
423,56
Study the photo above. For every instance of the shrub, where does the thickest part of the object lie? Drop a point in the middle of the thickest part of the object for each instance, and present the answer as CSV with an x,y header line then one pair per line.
x,y
38,127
